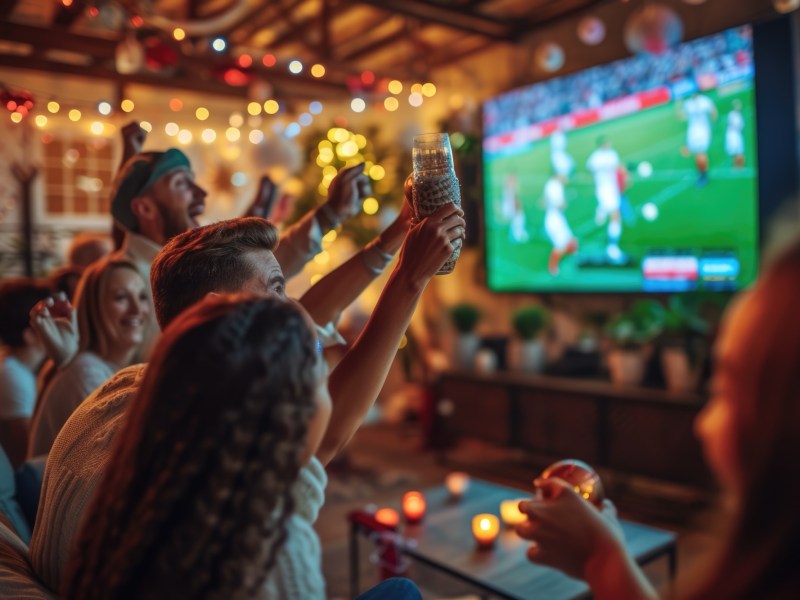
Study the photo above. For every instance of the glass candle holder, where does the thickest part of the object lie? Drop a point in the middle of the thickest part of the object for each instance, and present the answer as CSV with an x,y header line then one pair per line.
x,y
413,507
510,512
485,528
388,517
457,484
435,182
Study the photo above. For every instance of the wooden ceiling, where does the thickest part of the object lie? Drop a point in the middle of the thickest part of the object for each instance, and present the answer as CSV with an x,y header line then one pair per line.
x,y
400,39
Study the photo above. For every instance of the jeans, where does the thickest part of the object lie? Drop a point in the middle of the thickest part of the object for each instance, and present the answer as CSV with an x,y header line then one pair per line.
x,y
396,588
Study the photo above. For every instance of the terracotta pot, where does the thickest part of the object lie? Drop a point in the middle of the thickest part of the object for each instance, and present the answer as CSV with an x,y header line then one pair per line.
x,y
626,367
678,373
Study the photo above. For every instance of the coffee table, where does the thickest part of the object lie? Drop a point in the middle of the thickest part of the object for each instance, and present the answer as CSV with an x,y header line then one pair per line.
x,y
444,542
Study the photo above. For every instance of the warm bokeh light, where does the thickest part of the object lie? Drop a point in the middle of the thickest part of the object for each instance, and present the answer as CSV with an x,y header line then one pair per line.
x,y
184,136
315,278
271,107
236,120
457,483
179,34
395,86
323,258
256,136
269,60
201,113
347,149
330,236
295,67
413,506
391,104
254,108
208,136
16,117
377,172
360,141
53,106
416,88
415,100
127,105
40,120
137,21
171,128
510,512
146,125
104,108
318,70
358,105
429,90
245,61
74,115
232,134
485,528
367,77
97,128
388,517
218,44
370,206
175,104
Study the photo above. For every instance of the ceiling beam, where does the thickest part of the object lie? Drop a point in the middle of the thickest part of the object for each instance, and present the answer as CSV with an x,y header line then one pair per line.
x,y
375,45
460,18
247,30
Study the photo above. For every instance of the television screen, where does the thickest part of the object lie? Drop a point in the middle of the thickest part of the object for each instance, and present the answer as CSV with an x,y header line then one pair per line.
x,y
638,175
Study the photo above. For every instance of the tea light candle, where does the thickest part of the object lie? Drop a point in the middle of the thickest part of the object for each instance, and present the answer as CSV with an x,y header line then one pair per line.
x,y
413,506
485,528
457,483
388,517
510,512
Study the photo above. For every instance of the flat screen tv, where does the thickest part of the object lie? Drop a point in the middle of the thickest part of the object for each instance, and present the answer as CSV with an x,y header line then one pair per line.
x,y
638,175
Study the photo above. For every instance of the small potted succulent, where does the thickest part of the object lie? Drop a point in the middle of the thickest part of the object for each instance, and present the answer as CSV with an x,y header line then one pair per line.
x,y
527,352
465,318
630,333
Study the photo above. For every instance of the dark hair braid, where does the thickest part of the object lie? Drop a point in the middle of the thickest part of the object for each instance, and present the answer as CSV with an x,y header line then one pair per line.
x,y
199,488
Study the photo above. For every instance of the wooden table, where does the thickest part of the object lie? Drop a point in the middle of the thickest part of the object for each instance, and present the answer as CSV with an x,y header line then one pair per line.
x,y
444,542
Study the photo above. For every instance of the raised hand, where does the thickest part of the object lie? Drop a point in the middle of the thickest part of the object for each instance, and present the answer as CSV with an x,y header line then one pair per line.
x,y
429,243
55,322
133,138
347,192
264,200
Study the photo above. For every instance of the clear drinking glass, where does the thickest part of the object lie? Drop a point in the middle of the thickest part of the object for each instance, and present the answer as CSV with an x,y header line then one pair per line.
x,y
435,182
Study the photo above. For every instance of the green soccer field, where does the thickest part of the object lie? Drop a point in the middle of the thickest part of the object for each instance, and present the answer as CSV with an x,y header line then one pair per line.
x,y
722,215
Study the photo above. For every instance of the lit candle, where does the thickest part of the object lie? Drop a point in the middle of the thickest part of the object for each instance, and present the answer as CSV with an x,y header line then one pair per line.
x,y
485,528
388,517
510,512
413,506
457,484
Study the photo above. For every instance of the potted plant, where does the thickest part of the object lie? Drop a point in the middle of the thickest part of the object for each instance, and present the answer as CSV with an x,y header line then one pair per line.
x,y
527,353
465,317
630,333
683,328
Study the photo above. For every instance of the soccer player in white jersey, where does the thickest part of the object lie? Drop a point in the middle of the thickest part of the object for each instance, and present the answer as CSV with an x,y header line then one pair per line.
x,y
511,209
734,141
555,222
561,160
699,111
603,164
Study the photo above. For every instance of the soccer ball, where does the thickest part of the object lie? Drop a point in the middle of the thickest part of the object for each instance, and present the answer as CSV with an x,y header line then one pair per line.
x,y
650,211
645,169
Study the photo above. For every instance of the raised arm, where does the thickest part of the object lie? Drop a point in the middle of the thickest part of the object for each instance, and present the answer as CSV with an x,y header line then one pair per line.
x,y
355,382
325,300
300,242
55,322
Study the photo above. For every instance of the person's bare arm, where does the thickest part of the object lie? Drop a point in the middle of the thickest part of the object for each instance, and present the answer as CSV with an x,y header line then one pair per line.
x,y
355,382
326,299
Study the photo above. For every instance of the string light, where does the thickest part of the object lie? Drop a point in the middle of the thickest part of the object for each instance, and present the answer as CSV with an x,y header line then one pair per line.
x,y
269,60
254,108
219,44
391,104
236,120
97,128
271,107
318,71
429,90
184,136
358,105
104,108
171,129
256,136
305,119
370,206
368,77
292,130
377,172
415,100
127,105
245,61
201,113
16,117
208,136
74,115
232,134
295,67
41,120
395,86
175,104
179,34
315,107
416,88
146,125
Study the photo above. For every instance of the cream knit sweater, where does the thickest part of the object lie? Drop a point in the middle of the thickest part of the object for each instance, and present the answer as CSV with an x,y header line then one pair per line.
x,y
75,468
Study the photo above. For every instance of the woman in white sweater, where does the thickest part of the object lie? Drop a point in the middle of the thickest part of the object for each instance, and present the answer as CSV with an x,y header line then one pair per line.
x,y
112,312
213,488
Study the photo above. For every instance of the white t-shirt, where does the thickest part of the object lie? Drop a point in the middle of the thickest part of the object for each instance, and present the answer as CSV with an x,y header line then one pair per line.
x,y
17,389
554,194
735,121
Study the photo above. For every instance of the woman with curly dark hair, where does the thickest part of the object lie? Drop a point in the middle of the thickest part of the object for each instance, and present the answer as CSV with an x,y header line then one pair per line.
x,y
213,487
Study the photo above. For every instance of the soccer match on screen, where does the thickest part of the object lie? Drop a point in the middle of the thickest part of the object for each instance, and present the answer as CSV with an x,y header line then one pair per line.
x,y
639,175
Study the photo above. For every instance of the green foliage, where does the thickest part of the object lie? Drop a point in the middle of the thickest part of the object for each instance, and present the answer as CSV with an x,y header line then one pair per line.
x,y
465,317
637,326
529,321
682,318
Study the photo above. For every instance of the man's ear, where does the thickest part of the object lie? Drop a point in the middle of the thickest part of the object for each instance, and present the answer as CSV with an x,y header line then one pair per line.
x,y
144,209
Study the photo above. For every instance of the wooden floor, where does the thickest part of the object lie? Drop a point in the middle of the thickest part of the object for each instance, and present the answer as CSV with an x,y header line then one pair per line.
x,y
384,461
